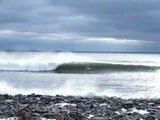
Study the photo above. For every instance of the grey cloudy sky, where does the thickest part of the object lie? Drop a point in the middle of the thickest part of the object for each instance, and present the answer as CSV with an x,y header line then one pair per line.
x,y
86,25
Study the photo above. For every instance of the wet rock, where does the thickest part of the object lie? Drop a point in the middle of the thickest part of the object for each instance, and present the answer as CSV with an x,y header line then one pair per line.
x,y
128,104
77,107
24,115
98,118
19,97
41,109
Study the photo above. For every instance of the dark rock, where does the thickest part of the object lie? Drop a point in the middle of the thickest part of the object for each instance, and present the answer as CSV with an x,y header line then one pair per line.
x,y
128,104
24,115
77,107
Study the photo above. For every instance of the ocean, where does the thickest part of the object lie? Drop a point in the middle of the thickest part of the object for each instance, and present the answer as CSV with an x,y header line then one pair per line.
x,y
125,75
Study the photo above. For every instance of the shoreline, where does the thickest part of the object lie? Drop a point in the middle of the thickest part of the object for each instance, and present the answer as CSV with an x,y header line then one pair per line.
x,y
60,107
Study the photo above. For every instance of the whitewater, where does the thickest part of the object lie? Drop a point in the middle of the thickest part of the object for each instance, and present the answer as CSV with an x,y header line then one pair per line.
x,y
127,75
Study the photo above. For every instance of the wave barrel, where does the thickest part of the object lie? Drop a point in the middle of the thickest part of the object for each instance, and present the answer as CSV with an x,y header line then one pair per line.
x,y
101,68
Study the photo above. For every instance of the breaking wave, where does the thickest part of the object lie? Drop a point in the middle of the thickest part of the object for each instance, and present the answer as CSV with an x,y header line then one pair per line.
x,y
78,68
37,61
101,67
64,63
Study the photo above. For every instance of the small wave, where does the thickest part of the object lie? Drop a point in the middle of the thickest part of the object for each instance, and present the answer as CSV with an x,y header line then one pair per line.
x,y
101,68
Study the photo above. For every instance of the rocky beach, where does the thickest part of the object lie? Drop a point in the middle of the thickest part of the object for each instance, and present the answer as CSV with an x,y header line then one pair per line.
x,y
41,107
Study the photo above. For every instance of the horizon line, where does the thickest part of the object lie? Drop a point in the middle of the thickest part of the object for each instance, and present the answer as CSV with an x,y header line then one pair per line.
x,y
80,51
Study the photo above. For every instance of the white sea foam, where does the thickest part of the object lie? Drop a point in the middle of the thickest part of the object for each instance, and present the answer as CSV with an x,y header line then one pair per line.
x,y
76,88
70,87
37,61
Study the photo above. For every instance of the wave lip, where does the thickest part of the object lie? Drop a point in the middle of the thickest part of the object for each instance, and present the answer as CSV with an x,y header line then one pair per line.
x,y
101,68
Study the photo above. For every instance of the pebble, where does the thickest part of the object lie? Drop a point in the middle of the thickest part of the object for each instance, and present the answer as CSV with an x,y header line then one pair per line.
x,y
77,107
98,118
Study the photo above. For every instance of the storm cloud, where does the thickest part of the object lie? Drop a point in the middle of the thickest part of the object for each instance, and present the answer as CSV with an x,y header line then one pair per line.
x,y
86,25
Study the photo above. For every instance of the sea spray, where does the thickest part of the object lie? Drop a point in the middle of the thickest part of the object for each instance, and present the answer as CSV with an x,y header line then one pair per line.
x,y
37,61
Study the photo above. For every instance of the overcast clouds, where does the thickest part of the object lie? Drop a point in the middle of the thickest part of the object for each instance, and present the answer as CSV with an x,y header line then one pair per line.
x,y
86,25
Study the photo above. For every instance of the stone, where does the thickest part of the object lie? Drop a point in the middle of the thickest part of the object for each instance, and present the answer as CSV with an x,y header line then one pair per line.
x,y
24,115
98,118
